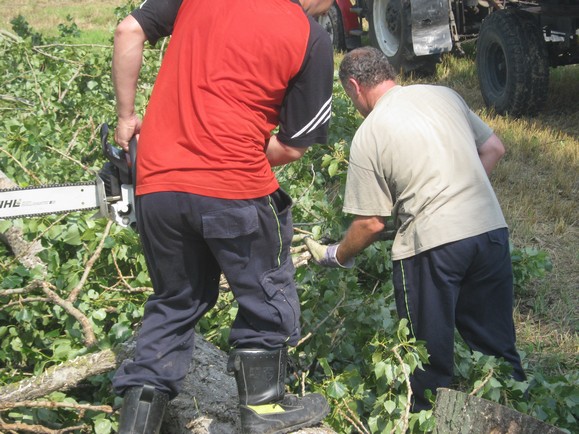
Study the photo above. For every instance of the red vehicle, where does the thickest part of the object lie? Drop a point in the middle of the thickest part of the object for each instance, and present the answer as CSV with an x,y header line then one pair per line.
x,y
344,24
517,40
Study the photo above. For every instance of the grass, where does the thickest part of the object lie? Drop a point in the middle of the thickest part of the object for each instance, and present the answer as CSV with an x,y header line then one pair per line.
x,y
95,19
537,182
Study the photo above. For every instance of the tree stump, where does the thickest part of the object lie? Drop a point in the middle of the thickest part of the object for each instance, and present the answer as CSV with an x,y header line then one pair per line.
x,y
457,412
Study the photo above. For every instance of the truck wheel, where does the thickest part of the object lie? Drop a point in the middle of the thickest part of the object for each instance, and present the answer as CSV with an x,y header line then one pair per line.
x,y
332,22
390,29
512,63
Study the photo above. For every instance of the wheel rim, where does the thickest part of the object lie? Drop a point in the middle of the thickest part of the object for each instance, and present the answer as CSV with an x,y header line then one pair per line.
x,y
497,73
387,17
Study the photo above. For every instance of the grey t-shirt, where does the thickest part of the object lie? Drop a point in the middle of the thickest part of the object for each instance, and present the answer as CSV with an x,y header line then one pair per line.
x,y
415,158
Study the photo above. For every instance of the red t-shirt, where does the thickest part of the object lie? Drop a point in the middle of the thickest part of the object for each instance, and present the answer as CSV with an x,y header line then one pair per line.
x,y
232,73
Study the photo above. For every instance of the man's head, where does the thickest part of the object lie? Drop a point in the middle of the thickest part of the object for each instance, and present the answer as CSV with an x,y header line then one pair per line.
x,y
366,74
367,65
316,8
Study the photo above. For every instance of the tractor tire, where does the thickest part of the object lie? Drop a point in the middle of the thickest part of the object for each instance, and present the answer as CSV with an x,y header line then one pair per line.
x,y
512,63
332,22
390,30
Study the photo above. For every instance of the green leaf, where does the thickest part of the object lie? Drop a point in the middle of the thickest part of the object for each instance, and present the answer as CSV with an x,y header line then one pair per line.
x,y
16,344
99,315
120,331
61,349
5,225
333,169
72,235
390,406
11,282
103,426
337,390
326,367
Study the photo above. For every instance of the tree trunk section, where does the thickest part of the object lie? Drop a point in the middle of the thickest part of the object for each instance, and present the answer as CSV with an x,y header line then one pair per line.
x,y
457,412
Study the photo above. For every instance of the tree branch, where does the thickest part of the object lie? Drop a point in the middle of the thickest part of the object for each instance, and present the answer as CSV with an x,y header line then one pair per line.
x,y
23,427
406,414
90,263
89,336
52,404
60,377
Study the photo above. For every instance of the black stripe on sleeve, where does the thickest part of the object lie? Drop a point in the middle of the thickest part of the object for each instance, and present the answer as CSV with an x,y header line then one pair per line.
x,y
156,17
307,107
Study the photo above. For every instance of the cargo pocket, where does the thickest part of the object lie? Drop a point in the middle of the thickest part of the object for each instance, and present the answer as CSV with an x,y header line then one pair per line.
x,y
282,299
282,200
230,223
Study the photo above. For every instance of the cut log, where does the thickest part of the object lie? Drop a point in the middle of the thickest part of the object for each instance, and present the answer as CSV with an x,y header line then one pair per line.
x,y
457,413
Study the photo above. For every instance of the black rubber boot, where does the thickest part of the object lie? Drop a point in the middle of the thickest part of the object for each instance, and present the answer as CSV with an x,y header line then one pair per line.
x,y
263,406
142,411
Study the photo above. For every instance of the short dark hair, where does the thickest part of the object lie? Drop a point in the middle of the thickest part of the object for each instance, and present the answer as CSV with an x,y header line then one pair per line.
x,y
367,65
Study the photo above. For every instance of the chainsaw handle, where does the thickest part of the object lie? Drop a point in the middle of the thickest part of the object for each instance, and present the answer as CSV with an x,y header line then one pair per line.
x,y
133,159
124,162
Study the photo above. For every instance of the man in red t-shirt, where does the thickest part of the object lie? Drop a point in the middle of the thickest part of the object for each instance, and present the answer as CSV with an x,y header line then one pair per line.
x,y
207,199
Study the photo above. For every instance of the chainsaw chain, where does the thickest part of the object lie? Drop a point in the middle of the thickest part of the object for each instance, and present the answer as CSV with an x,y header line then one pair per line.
x,y
35,187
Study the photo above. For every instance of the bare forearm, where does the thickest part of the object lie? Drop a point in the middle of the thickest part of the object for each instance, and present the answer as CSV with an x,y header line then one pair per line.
x,y
490,153
279,154
363,231
127,61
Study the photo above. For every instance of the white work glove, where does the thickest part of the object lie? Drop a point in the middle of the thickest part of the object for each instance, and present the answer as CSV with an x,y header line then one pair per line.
x,y
326,255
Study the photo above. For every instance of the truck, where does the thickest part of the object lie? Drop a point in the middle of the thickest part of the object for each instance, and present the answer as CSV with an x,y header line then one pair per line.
x,y
517,41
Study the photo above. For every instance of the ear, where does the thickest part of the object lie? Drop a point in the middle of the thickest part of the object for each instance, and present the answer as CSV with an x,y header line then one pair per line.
x,y
355,86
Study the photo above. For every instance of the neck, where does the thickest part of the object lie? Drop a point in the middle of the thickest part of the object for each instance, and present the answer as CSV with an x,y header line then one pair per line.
x,y
375,93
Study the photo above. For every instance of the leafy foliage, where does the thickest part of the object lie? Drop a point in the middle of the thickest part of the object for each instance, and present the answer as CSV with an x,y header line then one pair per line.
x,y
354,350
528,264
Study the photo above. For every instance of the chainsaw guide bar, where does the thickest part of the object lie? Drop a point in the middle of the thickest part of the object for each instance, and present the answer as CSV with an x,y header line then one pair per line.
x,y
43,200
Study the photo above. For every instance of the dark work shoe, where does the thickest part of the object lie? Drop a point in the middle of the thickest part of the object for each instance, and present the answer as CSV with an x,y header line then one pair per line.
x,y
291,414
142,411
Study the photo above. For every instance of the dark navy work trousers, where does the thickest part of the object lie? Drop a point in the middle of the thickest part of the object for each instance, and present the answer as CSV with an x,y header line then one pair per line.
x,y
188,240
467,284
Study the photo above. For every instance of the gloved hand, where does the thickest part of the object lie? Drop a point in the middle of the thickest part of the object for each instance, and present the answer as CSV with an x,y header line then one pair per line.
x,y
326,255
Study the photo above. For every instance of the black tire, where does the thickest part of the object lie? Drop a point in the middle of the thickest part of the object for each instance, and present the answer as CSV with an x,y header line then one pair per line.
x,y
512,63
390,30
333,24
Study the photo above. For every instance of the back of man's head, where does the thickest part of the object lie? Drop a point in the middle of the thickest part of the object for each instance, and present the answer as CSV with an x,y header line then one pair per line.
x,y
367,65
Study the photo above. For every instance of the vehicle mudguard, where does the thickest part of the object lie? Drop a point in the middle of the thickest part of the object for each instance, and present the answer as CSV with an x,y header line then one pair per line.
x,y
430,26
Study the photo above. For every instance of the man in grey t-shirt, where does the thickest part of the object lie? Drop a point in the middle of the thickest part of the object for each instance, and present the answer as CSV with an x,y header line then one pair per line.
x,y
422,158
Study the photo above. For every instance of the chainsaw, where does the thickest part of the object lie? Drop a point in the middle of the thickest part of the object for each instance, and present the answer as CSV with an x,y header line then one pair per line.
x,y
111,193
